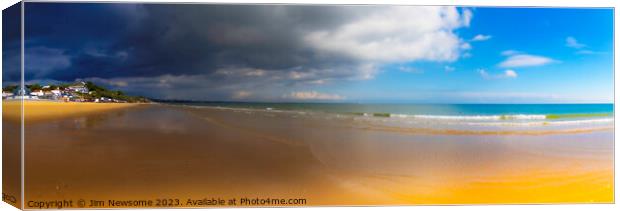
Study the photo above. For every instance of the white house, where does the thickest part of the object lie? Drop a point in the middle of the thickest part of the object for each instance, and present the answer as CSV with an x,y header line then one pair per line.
x,y
79,87
56,92
37,93
7,94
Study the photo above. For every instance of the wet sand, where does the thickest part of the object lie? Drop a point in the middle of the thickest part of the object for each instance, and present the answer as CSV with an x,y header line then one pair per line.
x,y
11,154
162,151
36,111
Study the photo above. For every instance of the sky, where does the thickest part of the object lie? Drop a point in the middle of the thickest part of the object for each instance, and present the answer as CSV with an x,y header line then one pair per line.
x,y
282,53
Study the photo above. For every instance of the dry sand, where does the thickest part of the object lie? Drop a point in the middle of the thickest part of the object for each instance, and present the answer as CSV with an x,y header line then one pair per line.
x,y
161,151
42,110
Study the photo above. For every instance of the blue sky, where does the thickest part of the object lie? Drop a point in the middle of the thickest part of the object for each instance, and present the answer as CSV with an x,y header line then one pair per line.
x,y
379,54
576,73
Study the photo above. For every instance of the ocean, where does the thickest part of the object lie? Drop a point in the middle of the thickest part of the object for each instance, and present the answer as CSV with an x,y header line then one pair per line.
x,y
469,114
456,111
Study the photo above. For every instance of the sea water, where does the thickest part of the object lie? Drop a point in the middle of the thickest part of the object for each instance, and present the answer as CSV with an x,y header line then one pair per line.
x,y
438,115
439,111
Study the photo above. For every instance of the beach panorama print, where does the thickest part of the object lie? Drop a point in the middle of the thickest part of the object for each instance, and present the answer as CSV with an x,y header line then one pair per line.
x,y
146,105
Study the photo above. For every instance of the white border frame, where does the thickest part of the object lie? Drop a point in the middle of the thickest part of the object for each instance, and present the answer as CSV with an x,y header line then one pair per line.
x,y
514,3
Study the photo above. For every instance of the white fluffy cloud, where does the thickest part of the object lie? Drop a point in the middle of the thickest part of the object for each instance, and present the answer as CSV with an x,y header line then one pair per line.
x,y
481,37
524,60
483,73
510,74
572,43
396,34
506,74
509,52
270,51
409,69
312,95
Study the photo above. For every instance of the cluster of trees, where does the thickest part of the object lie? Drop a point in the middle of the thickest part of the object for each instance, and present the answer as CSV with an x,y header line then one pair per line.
x,y
10,88
33,87
96,92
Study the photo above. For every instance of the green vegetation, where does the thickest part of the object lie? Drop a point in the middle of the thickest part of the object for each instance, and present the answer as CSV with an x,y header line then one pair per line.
x,y
381,114
11,88
34,87
558,116
51,87
96,92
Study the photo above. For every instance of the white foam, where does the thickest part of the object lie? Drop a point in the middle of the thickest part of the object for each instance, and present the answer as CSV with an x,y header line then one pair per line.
x,y
537,123
475,117
400,115
585,121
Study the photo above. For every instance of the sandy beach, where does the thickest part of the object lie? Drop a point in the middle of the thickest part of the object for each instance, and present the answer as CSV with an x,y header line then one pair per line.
x,y
155,151
44,110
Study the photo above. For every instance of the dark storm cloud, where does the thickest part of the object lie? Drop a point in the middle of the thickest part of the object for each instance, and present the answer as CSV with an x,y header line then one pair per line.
x,y
178,39
11,37
228,47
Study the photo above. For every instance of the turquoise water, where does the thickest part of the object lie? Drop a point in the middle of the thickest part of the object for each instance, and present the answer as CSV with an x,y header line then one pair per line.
x,y
440,111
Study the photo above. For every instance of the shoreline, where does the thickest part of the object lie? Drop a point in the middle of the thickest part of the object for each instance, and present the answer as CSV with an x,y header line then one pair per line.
x,y
507,117
42,110
436,127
